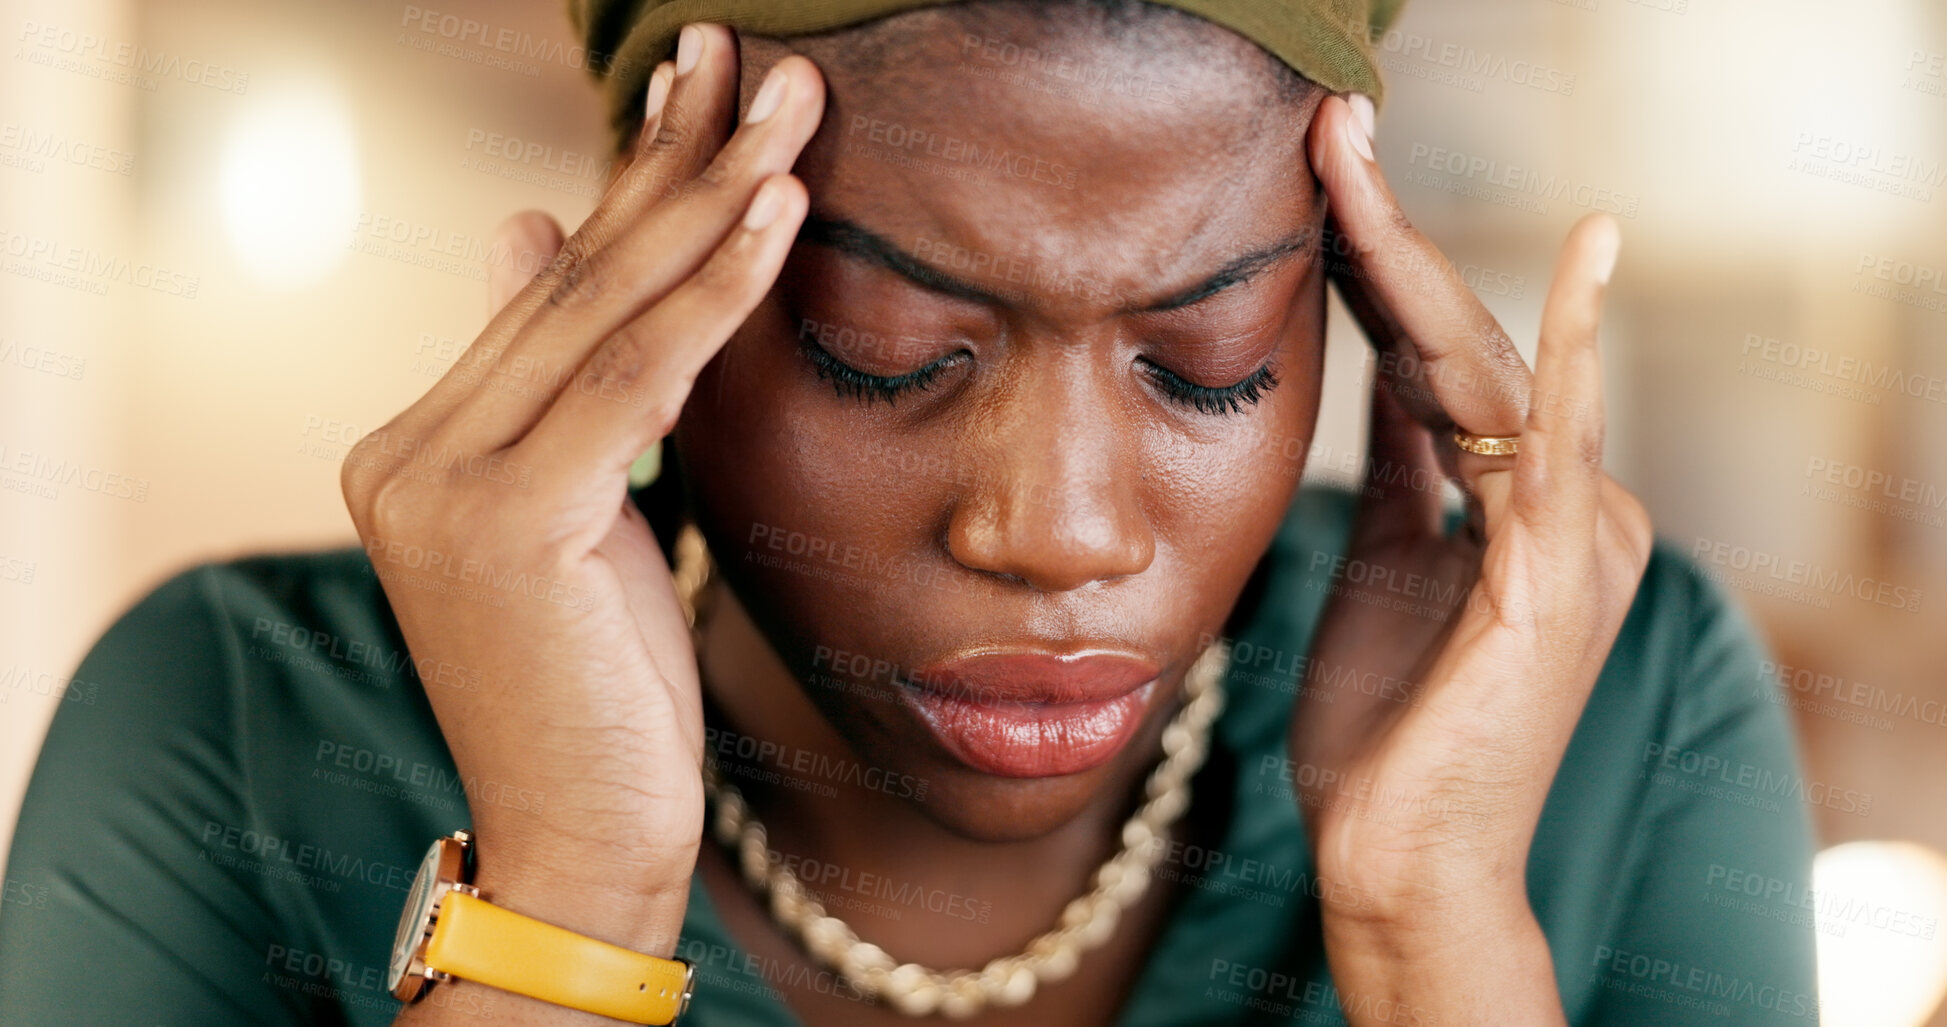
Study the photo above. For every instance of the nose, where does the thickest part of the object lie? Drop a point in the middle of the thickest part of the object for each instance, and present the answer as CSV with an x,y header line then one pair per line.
x,y
1057,500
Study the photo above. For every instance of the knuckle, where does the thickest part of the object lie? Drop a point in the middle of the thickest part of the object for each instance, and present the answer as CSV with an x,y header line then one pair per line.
x,y
620,360
1400,225
576,273
726,168
664,410
1588,445
364,468
394,509
672,134
355,477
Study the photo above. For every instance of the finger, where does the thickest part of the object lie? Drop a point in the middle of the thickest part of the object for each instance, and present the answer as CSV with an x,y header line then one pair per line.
x,y
1557,486
1430,316
465,377
1400,497
687,106
530,239
645,369
649,258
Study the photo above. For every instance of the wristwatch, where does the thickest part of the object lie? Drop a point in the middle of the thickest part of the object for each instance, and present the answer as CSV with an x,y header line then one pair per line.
x,y
449,931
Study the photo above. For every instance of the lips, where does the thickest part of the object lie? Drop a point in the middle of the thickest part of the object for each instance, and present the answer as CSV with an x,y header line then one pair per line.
x,y
1033,714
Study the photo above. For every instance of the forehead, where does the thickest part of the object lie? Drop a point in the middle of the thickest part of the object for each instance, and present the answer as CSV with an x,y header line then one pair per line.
x,y
1131,158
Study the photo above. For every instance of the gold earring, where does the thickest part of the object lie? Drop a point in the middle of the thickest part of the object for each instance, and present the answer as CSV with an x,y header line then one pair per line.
x,y
692,571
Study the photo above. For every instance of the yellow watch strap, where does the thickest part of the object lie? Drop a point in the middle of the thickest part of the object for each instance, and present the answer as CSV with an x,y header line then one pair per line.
x,y
476,940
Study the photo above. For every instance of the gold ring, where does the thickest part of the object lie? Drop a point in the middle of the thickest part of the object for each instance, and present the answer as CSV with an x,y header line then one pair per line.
x,y
1487,445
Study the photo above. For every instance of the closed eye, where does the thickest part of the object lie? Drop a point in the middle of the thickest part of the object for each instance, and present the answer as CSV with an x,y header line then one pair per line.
x,y
1222,400
850,382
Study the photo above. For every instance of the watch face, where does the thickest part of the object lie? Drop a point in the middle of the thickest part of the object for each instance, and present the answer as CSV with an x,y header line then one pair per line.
x,y
412,922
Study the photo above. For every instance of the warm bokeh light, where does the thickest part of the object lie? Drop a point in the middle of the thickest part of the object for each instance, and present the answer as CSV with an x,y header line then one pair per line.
x,y
290,185
1882,957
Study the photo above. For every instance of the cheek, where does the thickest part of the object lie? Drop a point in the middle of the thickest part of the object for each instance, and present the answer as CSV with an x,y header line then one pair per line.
x,y
1229,492
768,448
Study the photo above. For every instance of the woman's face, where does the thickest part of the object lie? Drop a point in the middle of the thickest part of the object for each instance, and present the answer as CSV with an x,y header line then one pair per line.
x,y
999,449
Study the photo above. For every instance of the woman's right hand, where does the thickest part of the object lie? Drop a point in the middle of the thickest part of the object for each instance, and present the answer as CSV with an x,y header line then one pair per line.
x,y
496,509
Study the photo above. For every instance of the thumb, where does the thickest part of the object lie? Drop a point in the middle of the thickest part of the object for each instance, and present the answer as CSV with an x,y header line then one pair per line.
x,y
529,239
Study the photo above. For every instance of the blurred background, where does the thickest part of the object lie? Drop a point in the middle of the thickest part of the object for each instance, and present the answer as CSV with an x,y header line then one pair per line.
x,y
238,235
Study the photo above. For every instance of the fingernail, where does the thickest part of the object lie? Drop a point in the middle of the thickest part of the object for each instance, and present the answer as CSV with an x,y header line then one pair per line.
x,y
1362,106
1356,134
770,96
765,208
658,92
689,47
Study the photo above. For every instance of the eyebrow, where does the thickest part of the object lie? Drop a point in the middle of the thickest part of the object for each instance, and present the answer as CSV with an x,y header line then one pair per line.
x,y
855,240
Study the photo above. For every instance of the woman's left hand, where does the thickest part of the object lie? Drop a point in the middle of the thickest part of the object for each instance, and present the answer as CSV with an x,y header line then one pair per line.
x,y
1449,670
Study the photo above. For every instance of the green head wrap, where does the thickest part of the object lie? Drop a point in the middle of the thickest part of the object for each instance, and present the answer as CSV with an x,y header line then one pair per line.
x,y
1327,41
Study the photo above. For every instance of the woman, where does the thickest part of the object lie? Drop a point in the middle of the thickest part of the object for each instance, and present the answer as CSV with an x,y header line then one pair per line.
x,y
947,636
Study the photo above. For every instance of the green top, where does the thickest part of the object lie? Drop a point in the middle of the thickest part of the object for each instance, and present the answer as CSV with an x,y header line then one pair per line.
x,y
228,812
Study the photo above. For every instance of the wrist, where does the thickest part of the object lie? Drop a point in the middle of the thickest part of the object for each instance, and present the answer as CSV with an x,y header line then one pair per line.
x,y
1435,887
1429,967
1421,927
633,897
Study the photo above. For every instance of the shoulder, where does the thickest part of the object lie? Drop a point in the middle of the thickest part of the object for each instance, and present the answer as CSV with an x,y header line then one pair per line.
x,y
246,780
214,641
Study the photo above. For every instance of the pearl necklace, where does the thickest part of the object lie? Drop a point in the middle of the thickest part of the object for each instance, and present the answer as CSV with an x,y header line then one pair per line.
x,y
1086,923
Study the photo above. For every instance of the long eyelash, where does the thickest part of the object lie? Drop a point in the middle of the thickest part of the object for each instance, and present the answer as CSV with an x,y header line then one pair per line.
x,y
1221,400
850,382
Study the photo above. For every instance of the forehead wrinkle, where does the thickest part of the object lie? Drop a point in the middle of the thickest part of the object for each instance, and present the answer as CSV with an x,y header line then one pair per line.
x,y
1113,246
